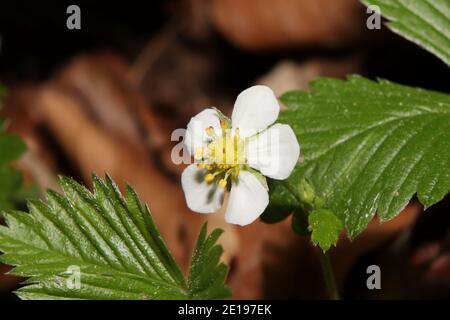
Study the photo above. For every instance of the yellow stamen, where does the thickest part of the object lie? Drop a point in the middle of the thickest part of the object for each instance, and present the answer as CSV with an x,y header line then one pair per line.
x,y
223,157
223,183
210,131
224,124
209,178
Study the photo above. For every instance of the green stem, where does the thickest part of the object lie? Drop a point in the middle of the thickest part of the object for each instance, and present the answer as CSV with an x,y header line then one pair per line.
x,y
327,269
330,282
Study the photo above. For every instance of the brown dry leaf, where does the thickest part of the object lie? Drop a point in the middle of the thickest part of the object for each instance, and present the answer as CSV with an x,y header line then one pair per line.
x,y
183,79
266,264
97,81
100,83
38,164
262,24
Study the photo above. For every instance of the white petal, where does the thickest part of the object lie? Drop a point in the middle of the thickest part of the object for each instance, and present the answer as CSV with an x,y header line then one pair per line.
x,y
195,134
248,199
255,109
200,196
274,152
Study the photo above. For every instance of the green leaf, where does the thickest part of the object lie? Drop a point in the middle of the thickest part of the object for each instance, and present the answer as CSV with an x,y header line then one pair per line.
x,y
325,228
207,274
11,147
10,184
112,241
424,22
370,146
12,192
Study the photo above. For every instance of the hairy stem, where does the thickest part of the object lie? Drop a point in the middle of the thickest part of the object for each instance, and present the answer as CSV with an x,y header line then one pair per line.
x,y
327,269
330,282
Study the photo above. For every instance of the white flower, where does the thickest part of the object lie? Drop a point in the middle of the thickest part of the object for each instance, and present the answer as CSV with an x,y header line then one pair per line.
x,y
236,155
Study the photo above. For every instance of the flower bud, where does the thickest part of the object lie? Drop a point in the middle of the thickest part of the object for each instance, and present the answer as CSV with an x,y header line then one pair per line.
x,y
306,192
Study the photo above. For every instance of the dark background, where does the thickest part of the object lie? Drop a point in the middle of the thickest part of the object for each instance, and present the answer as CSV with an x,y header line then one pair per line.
x,y
35,41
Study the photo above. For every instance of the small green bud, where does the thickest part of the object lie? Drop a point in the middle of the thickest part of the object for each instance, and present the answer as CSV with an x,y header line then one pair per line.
x,y
306,192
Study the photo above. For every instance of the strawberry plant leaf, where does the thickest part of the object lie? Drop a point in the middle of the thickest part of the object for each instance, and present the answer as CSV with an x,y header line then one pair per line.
x,y
325,228
424,22
370,146
11,148
10,186
109,242
206,273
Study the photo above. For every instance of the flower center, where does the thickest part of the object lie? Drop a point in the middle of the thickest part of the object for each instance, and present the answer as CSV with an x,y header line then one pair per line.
x,y
223,157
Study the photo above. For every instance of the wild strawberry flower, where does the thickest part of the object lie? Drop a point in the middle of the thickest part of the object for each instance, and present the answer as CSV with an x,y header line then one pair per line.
x,y
236,155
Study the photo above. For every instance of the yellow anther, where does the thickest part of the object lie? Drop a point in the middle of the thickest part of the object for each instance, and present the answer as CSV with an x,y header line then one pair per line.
x,y
198,153
210,131
223,156
223,183
209,177
224,124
